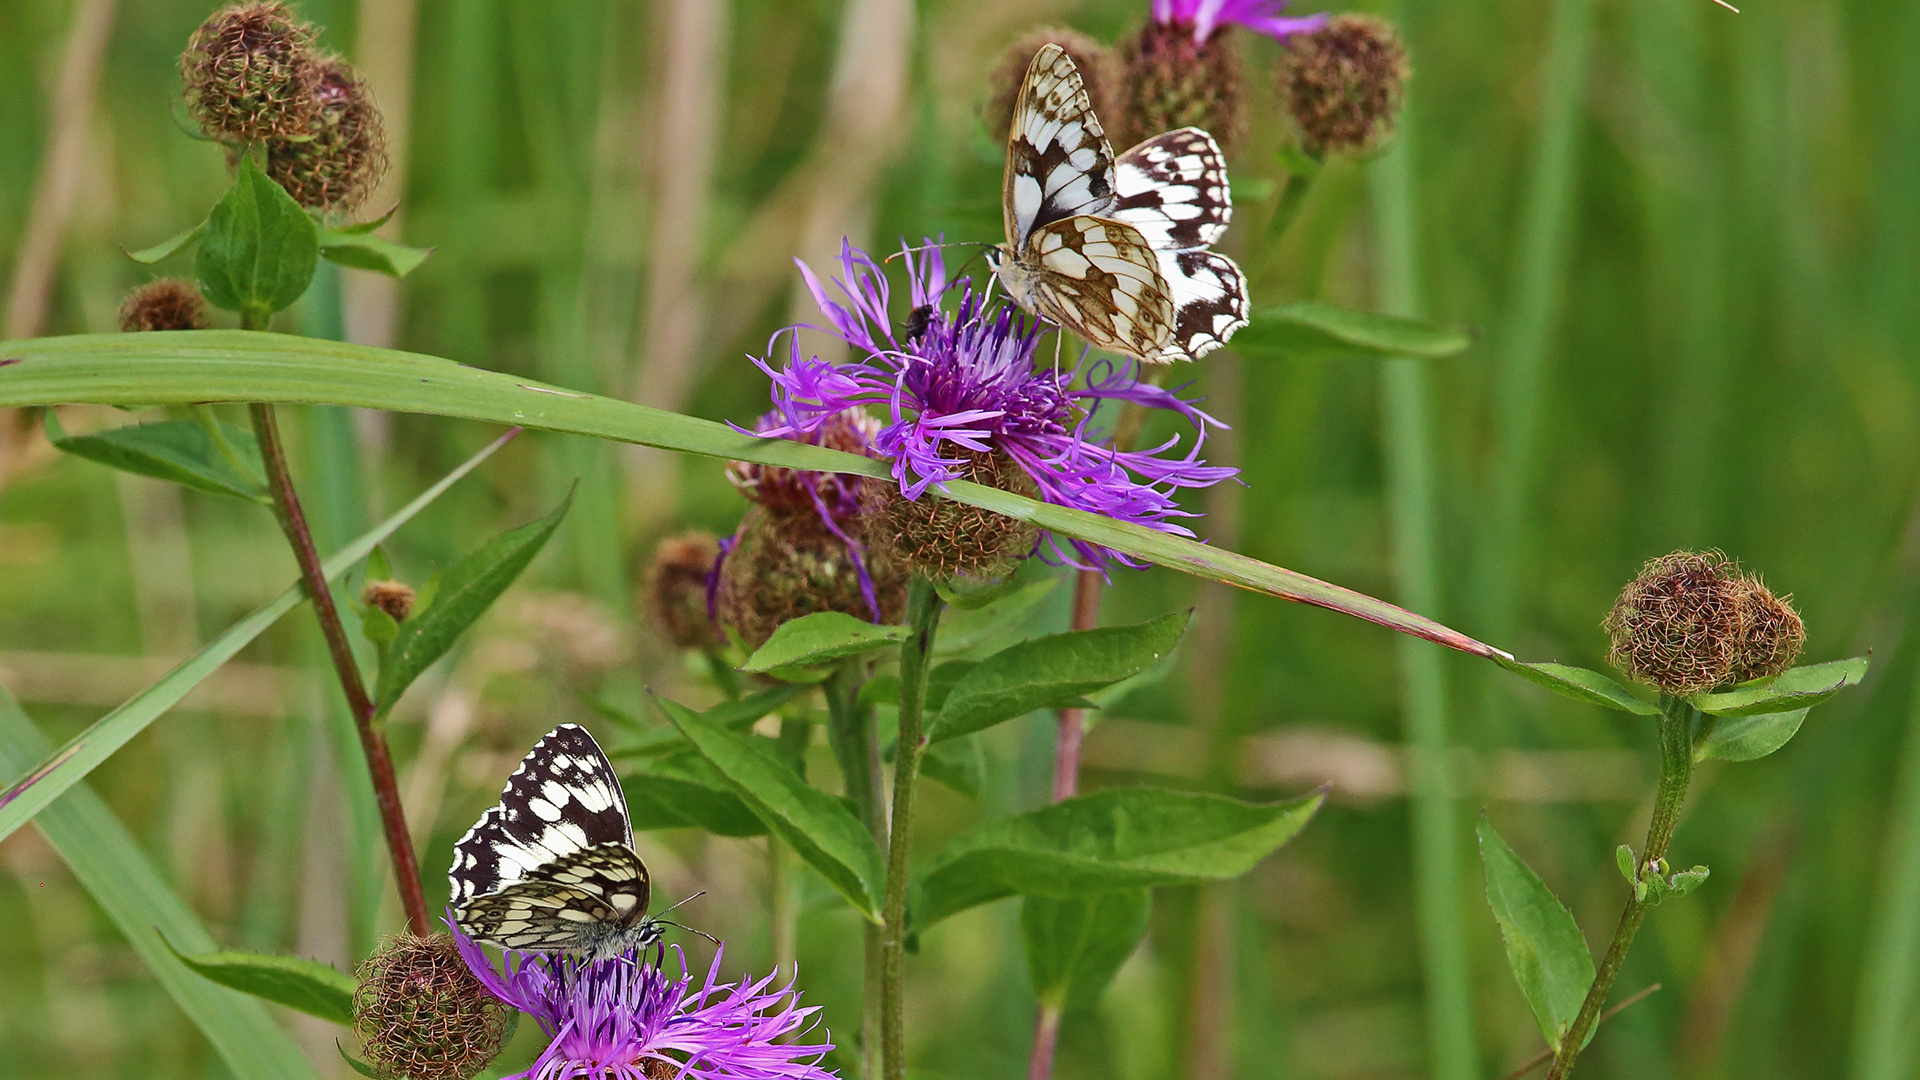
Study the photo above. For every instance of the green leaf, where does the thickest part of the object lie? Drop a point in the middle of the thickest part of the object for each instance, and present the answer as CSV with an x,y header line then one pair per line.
x,y
259,249
960,764
964,629
1122,838
1298,161
228,365
821,638
307,985
1745,738
816,825
362,1067
1580,684
363,251
360,228
109,864
1548,956
167,247
1075,946
684,790
1310,330
42,783
732,715
378,627
466,591
1053,672
1795,688
883,690
179,451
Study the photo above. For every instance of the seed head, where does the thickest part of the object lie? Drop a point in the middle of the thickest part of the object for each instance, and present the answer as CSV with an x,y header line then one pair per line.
x,y
422,1013
163,304
393,597
1345,83
785,565
342,155
1099,71
1771,632
1171,81
1691,621
251,73
674,593
950,541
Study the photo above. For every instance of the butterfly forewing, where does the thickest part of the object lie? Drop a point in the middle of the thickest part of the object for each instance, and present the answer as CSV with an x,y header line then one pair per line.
x,y
573,903
1059,163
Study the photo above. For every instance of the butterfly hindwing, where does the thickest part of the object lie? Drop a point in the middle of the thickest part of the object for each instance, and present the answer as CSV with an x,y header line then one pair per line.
x,y
1209,302
572,903
1059,163
1173,188
1099,278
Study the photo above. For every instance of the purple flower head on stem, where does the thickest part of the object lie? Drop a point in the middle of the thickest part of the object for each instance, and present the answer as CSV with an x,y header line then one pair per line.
x,y
627,1019
961,381
1259,16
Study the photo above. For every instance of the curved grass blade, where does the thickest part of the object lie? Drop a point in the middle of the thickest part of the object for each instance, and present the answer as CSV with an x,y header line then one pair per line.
x,y
42,783
236,365
110,865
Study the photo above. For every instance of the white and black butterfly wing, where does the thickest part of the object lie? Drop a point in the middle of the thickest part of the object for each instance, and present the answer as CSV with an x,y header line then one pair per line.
x,y
1059,163
578,903
1097,277
1173,188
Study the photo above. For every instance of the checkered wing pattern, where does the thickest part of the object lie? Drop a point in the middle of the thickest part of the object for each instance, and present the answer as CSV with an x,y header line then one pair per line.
x,y
1173,188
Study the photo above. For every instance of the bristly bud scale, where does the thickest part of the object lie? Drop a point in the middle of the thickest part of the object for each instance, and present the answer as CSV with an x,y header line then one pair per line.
x,y
1691,621
251,74
1098,66
163,304
1173,81
674,592
785,565
343,155
393,597
1345,83
423,1014
951,542
1771,633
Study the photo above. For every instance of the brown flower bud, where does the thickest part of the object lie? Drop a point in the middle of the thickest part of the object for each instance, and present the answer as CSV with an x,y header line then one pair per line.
x,y
1771,632
251,73
163,304
1170,82
392,597
787,564
423,1014
1345,82
342,155
1099,72
1691,622
949,541
794,490
674,592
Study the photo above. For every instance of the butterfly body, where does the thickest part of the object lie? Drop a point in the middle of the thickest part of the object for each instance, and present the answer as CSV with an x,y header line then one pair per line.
x,y
1115,249
551,867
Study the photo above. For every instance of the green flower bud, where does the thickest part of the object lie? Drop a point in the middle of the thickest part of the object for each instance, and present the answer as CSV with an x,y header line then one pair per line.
x,y
1345,83
785,564
251,74
1691,622
393,597
423,1015
1171,82
951,542
342,156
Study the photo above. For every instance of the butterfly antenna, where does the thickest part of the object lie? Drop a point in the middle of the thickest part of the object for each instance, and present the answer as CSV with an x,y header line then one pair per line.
x,y
934,247
688,900
688,929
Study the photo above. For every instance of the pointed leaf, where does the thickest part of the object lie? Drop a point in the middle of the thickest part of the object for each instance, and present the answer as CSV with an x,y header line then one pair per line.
x,y
1312,330
732,715
259,250
1053,672
42,783
819,639
179,451
816,825
965,629
110,865
364,251
1580,684
466,591
1548,956
1123,838
361,1067
359,228
1075,946
684,790
307,985
167,247
1795,688
959,764
1745,738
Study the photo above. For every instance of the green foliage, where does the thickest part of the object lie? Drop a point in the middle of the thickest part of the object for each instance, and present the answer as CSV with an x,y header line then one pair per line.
x,y
1581,684
963,629
733,715
816,825
1122,838
1548,956
1745,738
258,250
820,638
1795,688
1311,330
168,247
1652,883
1052,672
682,789
307,985
465,592
358,248
1076,945
180,451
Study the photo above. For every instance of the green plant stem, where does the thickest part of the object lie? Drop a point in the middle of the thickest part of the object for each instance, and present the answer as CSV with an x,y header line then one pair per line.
x,y
1545,1056
1883,1043
783,882
923,619
1676,769
373,742
856,748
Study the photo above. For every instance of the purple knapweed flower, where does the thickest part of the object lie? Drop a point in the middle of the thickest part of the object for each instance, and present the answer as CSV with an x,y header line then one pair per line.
x,y
627,1019
1259,16
961,382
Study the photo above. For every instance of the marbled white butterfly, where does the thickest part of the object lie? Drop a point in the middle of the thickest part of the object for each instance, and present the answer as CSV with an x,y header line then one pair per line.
x,y
551,868
1115,251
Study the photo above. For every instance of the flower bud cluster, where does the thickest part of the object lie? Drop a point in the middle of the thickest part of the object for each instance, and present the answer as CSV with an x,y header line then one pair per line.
x,y
422,1014
1691,621
674,592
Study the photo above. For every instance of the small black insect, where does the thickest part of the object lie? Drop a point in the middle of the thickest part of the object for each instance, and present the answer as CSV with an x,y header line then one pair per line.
x,y
918,320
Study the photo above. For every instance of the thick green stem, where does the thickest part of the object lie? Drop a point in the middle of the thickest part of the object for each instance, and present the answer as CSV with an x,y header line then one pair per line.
x,y
856,747
783,879
1676,769
923,618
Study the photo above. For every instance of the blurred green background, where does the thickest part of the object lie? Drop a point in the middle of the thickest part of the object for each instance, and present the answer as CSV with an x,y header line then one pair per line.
x,y
1687,237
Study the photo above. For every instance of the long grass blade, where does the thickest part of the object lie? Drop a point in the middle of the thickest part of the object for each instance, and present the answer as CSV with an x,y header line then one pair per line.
x,y
123,881
235,365
45,781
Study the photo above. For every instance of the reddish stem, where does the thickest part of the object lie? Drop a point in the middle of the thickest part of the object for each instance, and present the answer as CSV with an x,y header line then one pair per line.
x,y
1046,1033
1087,587
373,742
